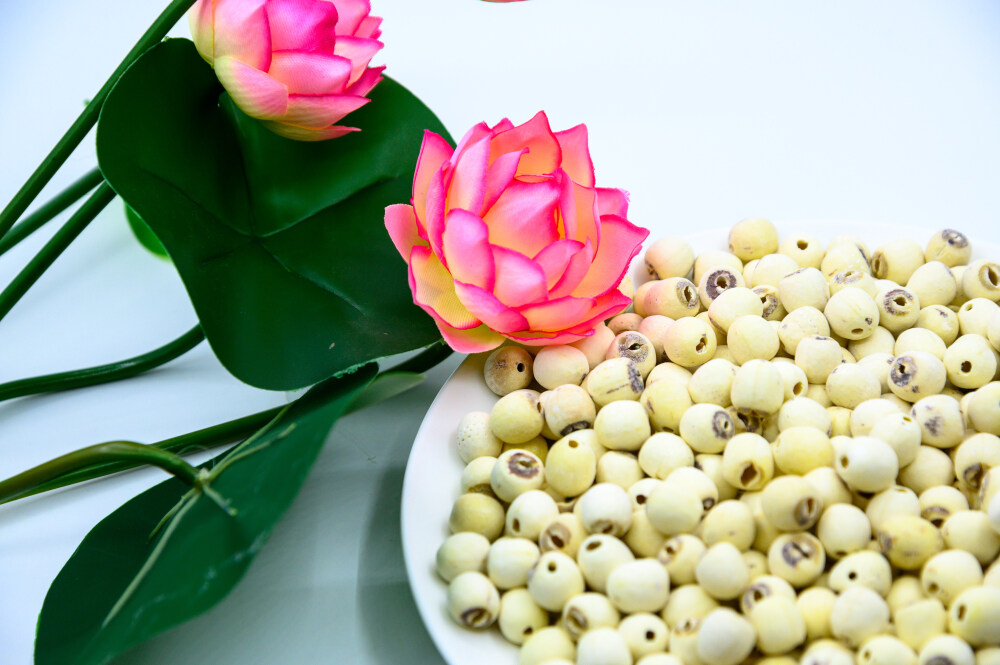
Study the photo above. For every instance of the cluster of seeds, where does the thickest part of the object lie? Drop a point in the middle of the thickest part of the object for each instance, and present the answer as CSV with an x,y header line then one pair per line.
x,y
785,454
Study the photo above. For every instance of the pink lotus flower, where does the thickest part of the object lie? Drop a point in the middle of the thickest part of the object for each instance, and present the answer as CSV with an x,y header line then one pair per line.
x,y
508,237
298,65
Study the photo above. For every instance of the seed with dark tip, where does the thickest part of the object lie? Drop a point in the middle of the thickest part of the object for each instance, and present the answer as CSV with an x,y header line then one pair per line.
x,y
523,465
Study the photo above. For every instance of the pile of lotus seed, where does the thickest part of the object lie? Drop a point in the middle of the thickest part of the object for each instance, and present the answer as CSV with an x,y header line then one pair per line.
x,y
784,453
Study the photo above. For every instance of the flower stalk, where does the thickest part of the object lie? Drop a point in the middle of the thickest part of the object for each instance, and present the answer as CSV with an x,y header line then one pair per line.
x,y
54,247
45,213
116,371
129,452
86,120
199,440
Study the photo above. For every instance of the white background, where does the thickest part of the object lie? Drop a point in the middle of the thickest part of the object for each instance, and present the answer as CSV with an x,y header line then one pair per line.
x,y
706,112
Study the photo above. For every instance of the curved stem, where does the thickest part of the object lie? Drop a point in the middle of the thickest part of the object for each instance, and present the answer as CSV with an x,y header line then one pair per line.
x,y
28,482
92,376
60,202
209,437
203,439
54,247
426,359
156,32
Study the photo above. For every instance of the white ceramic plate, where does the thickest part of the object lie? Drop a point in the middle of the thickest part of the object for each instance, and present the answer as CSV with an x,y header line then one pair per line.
x,y
431,483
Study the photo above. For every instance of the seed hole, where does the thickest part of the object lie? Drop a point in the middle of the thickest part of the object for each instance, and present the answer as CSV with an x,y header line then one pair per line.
x,y
802,244
960,612
721,281
591,546
650,635
640,499
749,474
932,587
899,300
992,277
529,630
476,617
516,525
573,443
688,293
852,575
520,367
966,366
763,298
557,541
552,566
708,503
702,343
758,595
867,654
635,346
798,388
844,461
670,548
857,331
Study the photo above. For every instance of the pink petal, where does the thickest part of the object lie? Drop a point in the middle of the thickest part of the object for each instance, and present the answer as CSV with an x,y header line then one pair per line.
x,y
435,211
579,265
368,80
434,152
523,218
499,175
576,155
567,205
475,134
359,51
308,133
488,309
258,94
502,126
302,24
555,258
586,215
369,27
545,339
202,28
612,201
305,72
468,183
474,340
544,154
434,290
621,240
401,224
605,306
467,249
557,315
352,13
519,280
318,111
242,32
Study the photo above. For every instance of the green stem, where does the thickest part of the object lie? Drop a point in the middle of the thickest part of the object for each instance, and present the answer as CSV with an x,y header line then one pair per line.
x,y
127,452
60,202
156,32
211,437
203,439
54,247
426,359
92,376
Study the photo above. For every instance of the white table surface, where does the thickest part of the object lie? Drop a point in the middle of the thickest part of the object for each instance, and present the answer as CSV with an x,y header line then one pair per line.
x,y
706,112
